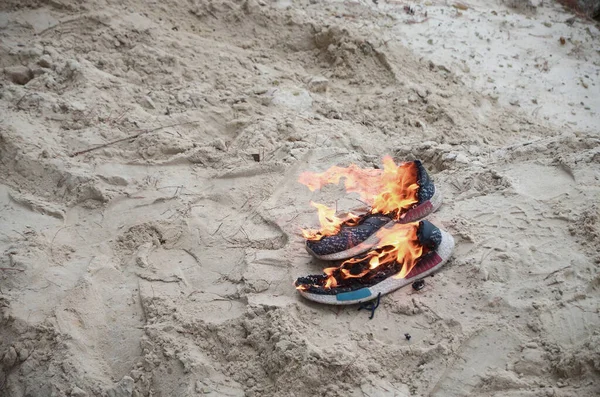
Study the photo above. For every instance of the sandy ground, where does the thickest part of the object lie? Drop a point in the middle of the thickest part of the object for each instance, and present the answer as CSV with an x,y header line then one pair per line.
x,y
163,265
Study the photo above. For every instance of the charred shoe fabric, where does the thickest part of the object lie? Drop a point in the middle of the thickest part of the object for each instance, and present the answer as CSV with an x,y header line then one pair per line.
x,y
429,198
350,240
397,194
405,253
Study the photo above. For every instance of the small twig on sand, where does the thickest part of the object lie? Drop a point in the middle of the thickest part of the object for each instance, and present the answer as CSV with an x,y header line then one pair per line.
x,y
215,232
245,234
428,308
128,138
73,19
19,233
556,271
414,21
10,268
350,362
21,99
364,202
190,253
542,140
52,242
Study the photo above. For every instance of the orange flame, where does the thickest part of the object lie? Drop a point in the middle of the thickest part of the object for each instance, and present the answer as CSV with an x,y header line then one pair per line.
x,y
391,190
330,223
331,281
398,243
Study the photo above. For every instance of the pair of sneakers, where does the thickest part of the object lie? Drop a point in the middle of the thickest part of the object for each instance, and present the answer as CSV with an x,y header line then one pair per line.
x,y
356,279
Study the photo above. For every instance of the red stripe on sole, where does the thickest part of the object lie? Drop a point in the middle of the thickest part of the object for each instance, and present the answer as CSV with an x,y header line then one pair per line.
x,y
418,212
431,261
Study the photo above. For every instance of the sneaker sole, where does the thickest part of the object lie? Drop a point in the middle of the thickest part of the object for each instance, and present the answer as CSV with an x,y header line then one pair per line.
x,y
423,269
415,214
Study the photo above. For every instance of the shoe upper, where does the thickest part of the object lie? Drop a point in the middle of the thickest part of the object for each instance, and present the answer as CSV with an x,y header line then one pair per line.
x,y
351,236
426,187
348,237
429,236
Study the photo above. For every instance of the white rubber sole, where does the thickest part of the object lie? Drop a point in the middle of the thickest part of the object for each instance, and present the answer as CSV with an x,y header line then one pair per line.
x,y
419,212
433,263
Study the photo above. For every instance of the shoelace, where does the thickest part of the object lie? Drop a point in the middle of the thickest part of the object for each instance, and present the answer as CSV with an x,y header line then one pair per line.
x,y
371,305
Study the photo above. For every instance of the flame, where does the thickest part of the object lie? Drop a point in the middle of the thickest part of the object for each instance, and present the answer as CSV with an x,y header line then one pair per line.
x,y
330,222
392,190
398,243
331,281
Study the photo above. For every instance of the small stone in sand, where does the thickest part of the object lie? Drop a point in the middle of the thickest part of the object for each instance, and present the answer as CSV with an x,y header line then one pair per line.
x,y
19,74
77,392
10,357
45,61
148,103
318,84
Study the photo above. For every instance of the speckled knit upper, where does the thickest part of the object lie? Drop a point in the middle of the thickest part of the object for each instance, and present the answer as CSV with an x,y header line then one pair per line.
x,y
429,235
426,187
348,237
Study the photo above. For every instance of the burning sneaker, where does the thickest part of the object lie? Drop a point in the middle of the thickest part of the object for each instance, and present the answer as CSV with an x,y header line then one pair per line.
x,y
405,253
397,194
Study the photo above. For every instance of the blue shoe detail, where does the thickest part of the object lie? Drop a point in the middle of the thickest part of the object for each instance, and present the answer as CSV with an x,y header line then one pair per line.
x,y
353,295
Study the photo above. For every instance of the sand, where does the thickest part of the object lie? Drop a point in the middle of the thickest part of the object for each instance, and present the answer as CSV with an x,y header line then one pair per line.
x,y
162,265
